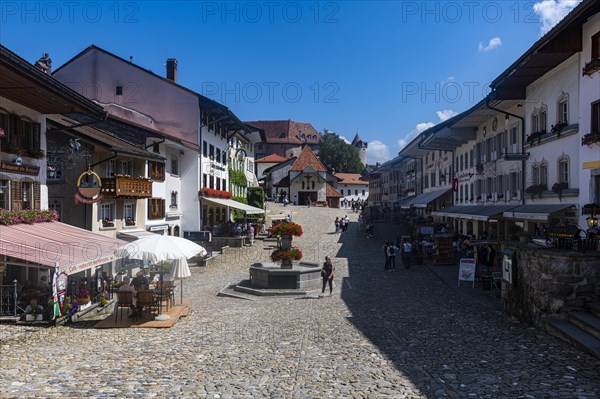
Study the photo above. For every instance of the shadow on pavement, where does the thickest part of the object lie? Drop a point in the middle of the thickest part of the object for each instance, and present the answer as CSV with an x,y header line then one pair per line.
x,y
446,341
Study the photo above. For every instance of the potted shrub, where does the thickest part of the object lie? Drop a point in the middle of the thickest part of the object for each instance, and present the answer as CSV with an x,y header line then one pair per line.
x,y
559,187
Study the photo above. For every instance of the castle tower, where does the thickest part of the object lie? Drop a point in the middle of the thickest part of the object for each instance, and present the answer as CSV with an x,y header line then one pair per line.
x,y
361,148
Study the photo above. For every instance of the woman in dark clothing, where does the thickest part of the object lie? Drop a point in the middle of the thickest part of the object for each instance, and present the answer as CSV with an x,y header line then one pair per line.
x,y
327,275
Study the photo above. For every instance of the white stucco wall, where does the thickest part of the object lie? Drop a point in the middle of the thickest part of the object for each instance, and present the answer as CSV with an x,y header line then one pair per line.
x,y
546,92
589,92
20,110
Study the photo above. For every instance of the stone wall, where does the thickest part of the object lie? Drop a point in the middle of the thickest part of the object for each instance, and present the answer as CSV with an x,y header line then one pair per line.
x,y
551,282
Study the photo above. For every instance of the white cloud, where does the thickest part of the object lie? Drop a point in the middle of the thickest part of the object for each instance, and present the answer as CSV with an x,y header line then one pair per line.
x,y
494,42
446,114
377,152
345,139
552,11
443,115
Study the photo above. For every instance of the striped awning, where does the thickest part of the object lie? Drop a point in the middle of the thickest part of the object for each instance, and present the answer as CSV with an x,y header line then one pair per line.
x,y
49,244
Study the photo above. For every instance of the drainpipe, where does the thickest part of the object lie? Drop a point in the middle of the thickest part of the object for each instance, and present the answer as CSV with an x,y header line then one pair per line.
x,y
156,142
523,161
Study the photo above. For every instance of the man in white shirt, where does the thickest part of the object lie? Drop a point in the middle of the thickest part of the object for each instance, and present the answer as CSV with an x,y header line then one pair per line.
x,y
406,254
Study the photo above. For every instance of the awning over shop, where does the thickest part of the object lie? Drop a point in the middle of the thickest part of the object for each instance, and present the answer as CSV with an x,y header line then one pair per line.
x,y
135,234
405,203
250,210
477,212
536,212
422,200
48,244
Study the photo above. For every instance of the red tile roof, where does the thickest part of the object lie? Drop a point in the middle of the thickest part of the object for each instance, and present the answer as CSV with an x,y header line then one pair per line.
x,y
307,158
332,192
289,132
273,158
350,178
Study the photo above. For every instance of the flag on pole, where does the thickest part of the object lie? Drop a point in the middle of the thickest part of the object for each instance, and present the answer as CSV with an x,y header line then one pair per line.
x,y
55,291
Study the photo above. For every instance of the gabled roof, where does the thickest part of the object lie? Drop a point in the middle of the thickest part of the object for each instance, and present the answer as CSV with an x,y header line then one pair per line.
x,y
273,158
220,112
26,85
306,159
332,192
357,140
350,178
560,43
288,132
97,136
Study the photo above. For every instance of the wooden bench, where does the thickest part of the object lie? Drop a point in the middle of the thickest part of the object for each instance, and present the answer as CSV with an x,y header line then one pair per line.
x,y
320,203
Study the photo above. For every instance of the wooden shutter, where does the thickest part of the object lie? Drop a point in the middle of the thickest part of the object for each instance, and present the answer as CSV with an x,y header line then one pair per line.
x,y
16,189
37,196
36,129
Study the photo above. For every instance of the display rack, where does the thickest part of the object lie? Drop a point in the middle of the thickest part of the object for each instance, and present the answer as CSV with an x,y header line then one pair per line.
x,y
444,252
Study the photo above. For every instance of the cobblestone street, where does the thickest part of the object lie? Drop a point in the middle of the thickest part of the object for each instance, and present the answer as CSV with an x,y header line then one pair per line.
x,y
380,335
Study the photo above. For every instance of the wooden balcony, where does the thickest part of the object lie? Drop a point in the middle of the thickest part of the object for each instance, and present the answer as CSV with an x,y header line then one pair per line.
x,y
126,187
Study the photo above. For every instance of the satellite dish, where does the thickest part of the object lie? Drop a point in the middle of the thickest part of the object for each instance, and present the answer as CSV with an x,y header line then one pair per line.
x,y
19,161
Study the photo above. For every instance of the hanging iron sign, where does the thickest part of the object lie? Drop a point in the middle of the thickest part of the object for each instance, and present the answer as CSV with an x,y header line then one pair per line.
x,y
89,186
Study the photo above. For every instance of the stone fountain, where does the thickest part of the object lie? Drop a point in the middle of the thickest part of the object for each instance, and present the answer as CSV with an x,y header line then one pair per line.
x,y
286,275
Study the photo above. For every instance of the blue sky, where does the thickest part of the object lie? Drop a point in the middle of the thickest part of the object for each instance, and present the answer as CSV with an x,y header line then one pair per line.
x,y
386,70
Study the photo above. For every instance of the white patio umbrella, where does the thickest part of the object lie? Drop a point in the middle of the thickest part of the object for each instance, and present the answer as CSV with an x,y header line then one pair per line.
x,y
159,248
180,271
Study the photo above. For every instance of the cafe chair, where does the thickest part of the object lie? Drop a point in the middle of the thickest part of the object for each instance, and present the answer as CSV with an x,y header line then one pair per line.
x,y
124,300
146,300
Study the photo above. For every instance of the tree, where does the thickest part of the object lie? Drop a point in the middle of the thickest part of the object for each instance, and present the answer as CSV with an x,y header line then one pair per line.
x,y
336,154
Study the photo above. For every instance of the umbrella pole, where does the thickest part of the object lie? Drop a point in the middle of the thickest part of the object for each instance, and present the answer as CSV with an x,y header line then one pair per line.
x,y
161,316
181,291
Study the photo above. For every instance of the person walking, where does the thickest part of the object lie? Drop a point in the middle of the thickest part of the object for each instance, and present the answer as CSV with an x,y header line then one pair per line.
x,y
346,223
392,250
406,254
386,266
337,224
327,275
342,224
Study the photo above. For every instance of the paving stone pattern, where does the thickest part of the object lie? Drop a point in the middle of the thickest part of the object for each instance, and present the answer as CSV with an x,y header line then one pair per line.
x,y
406,334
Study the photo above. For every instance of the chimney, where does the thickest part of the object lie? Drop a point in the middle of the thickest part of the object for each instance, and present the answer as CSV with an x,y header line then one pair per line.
x,y
44,64
172,69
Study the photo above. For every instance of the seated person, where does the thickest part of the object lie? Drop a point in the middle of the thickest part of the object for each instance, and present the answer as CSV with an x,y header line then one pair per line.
x,y
127,287
33,304
140,281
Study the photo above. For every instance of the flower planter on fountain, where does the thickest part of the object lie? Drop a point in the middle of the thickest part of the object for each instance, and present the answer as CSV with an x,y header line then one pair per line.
x,y
286,275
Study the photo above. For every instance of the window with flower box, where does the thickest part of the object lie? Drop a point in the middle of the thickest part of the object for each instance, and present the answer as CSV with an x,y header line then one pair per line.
x,y
56,205
20,135
156,171
107,214
129,213
563,170
595,128
156,208
4,194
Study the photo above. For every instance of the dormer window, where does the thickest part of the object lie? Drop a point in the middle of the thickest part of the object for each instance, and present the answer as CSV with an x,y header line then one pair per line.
x,y
282,135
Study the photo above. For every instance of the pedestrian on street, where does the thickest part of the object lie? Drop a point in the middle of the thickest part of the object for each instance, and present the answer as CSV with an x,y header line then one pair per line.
x,y
342,225
386,266
346,223
327,275
308,202
406,254
391,252
337,224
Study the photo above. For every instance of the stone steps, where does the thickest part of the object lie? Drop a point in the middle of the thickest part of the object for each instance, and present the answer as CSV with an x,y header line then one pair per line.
x,y
587,322
571,332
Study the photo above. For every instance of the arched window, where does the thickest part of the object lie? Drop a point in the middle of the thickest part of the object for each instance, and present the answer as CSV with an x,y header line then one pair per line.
x,y
535,174
563,169
563,109
544,173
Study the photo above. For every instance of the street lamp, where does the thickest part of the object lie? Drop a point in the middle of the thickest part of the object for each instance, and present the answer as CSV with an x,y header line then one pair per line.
x,y
592,222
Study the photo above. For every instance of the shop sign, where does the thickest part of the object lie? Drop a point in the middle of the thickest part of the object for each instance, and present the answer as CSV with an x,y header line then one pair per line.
x,y
89,186
466,270
61,290
19,168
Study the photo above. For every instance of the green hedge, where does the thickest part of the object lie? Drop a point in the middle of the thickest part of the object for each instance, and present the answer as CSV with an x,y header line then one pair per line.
x,y
256,197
